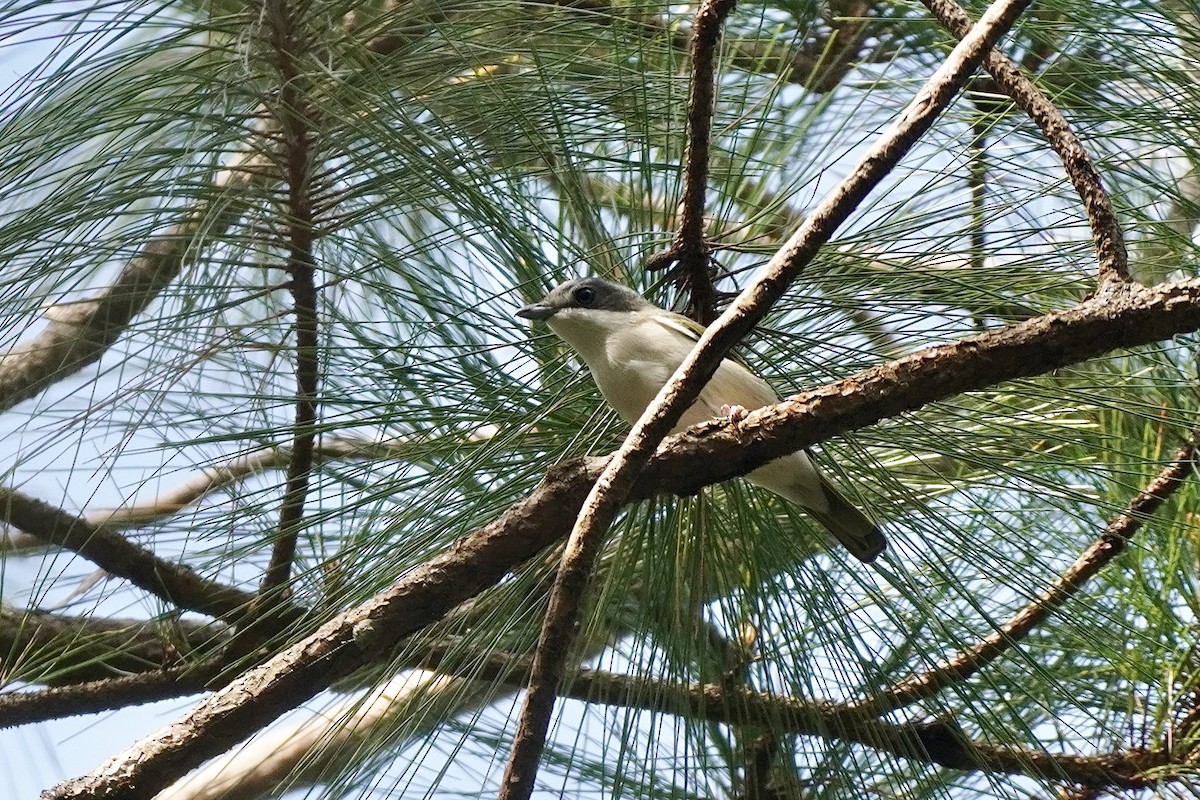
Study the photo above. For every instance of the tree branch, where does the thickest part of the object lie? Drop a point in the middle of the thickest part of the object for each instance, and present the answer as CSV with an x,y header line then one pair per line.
x,y
689,257
819,64
295,116
213,478
177,584
1111,543
343,645
707,453
354,727
612,488
78,334
1106,232
19,543
107,694
58,649
1134,315
940,742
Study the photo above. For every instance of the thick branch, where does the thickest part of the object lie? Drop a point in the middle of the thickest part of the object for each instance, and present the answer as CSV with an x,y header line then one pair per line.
x,y
344,644
613,487
1108,322
410,705
707,453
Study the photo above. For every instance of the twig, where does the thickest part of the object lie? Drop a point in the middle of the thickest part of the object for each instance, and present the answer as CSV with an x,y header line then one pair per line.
x,y
977,180
61,649
1111,542
708,453
294,115
174,583
19,543
106,694
837,53
689,258
213,478
939,742
612,488
760,756
1110,245
820,64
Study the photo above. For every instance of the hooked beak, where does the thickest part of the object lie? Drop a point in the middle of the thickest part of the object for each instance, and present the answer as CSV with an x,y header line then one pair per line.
x,y
540,311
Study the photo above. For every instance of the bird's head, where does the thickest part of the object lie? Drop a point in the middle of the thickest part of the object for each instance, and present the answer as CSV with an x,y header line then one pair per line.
x,y
585,297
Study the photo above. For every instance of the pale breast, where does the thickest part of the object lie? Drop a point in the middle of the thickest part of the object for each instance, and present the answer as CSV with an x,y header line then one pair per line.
x,y
639,361
643,357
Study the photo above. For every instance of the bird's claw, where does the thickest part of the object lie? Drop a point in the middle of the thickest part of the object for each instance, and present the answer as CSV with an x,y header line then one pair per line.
x,y
734,413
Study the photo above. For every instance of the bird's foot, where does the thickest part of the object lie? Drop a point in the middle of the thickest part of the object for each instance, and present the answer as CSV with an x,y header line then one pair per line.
x,y
734,413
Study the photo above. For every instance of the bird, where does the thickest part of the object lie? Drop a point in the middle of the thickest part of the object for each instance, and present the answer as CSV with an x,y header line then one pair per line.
x,y
632,348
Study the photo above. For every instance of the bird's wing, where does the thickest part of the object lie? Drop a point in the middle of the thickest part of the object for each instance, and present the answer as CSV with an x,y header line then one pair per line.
x,y
680,324
691,329
733,384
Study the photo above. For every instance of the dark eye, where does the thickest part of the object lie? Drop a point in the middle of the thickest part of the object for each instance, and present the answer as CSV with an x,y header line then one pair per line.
x,y
585,295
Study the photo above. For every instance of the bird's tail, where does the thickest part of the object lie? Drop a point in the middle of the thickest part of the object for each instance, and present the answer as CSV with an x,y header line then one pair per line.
x,y
856,532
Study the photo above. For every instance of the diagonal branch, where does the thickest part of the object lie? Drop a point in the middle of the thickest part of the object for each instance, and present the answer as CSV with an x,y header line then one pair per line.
x,y
344,644
688,258
79,334
612,488
708,453
1110,245
407,705
1111,543
175,583
1134,315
